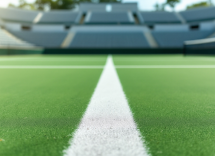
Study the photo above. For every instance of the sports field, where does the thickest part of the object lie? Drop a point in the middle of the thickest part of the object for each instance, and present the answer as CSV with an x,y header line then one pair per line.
x,y
53,105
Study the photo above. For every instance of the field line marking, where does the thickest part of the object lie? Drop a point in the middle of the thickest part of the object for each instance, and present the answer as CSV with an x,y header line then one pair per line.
x,y
164,66
107,127
100,67
49,67
51,60
167,60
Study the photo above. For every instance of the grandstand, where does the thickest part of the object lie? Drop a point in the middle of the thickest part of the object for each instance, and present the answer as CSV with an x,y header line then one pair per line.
x,y
105,26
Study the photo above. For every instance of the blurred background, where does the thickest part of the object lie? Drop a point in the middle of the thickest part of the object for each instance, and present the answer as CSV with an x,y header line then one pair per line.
x,y
107,26
167,5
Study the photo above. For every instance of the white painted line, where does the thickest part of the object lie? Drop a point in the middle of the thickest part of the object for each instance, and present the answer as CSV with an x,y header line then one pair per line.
x,y
157,60
107,127
100,67
166,60
165,66
50,67
50,60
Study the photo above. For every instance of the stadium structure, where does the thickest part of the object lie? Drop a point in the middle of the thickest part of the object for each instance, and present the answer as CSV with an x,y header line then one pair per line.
x,y
115,102
106,28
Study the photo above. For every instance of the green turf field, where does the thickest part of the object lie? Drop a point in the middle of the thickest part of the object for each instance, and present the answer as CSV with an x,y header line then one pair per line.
x,y
173,108
40,108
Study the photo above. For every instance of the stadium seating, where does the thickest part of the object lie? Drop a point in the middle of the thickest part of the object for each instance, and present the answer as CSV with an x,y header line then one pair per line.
x,y
42,39
8,40
199,14
109,18
105,25
159,17
169,36
109,40
17,15
59,17
176,39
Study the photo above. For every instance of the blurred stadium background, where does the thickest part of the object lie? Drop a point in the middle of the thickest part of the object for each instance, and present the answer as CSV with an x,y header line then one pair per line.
x,y
116,28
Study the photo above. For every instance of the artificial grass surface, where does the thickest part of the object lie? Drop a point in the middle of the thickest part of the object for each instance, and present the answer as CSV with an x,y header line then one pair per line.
x,y
54,60
174,109
41,108
162,60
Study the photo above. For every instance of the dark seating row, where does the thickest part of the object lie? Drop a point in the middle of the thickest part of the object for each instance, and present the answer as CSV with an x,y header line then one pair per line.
x,y
177,39
112,39
42,39
109,40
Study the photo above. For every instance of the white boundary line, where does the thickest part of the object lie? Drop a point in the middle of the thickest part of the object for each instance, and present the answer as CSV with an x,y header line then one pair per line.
x,y
167,60
107,127
49,67
165,66
50,60
101,67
